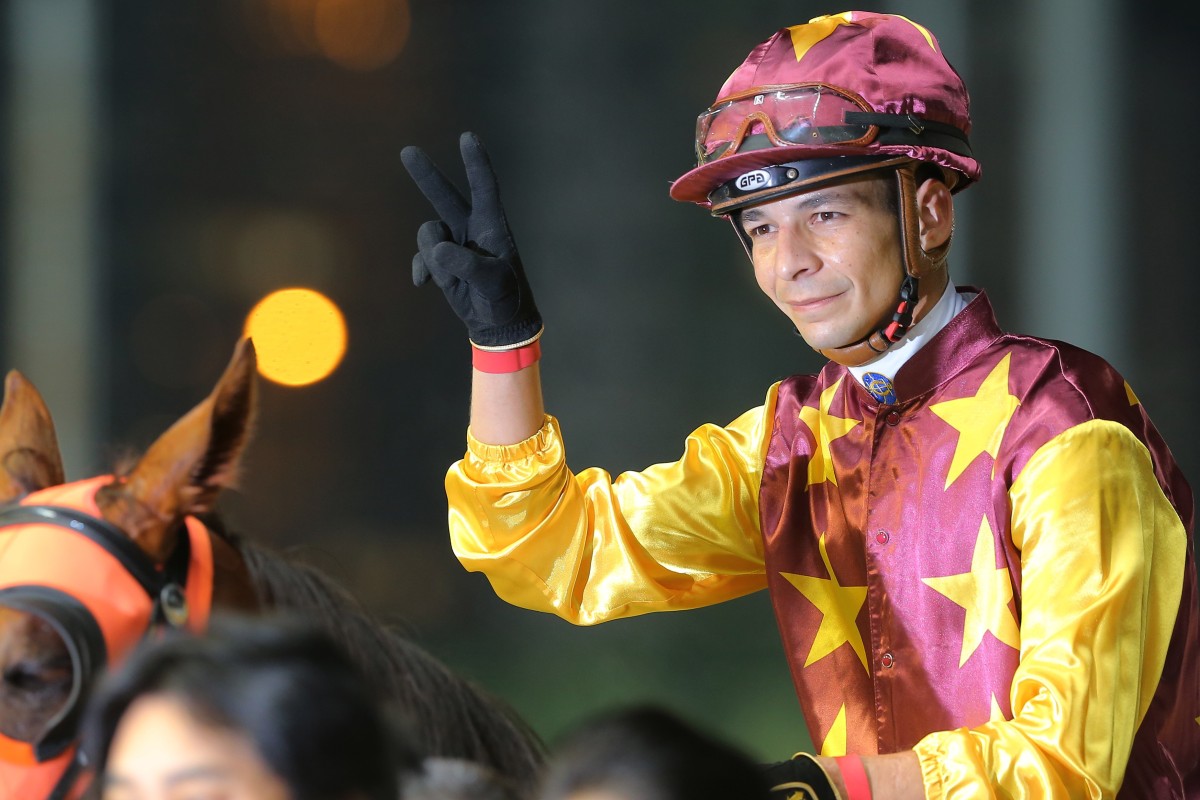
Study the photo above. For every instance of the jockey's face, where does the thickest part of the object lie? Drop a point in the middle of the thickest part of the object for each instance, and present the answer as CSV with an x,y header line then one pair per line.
x,y
160,751
829,258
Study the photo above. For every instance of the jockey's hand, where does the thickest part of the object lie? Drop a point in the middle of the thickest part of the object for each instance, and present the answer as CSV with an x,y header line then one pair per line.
x,y
470,253
800,778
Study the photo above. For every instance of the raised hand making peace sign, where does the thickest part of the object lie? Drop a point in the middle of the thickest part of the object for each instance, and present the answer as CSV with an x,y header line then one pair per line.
x,y
469,252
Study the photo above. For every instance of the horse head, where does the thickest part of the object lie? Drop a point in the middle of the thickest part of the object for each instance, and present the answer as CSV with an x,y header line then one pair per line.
x,y
88,568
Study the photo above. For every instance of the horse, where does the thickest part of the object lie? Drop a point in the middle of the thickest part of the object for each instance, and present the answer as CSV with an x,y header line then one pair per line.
x,y
89,568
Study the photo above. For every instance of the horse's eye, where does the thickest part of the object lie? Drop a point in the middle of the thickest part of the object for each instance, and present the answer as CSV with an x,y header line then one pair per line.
x,y
20,677
31,677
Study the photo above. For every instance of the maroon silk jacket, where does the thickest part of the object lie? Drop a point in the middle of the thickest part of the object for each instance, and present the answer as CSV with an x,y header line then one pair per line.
x,y
880,520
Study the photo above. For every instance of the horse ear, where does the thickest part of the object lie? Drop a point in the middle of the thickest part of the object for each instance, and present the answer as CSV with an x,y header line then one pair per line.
x,y
29,457
185,470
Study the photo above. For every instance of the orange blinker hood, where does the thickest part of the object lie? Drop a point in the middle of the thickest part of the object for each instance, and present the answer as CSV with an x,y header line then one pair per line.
x,y
62,562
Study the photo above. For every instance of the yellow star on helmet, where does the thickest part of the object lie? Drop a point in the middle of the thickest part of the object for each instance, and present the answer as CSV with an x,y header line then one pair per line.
x,y
980,420
922,29
817,30
825,429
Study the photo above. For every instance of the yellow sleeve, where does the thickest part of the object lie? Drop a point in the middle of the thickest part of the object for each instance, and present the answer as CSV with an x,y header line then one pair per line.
x,y
1102,562
591,548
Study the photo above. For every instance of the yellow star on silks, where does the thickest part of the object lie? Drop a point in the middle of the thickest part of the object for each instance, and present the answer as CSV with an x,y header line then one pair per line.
x,y
824,430
835,741
984,592
839,606
997,712
980,420
1133,400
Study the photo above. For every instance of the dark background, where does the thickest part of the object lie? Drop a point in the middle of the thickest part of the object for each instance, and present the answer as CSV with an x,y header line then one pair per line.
x,y
232,156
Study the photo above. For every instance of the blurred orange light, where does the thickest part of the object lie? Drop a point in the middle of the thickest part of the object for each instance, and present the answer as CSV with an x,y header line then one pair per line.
x,y
361,34
299,334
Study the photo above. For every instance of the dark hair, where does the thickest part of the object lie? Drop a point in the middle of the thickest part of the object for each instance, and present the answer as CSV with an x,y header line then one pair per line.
x,y
284,685
449,716
648,753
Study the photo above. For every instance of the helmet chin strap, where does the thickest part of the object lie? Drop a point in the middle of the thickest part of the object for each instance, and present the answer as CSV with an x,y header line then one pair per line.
x,y
913,303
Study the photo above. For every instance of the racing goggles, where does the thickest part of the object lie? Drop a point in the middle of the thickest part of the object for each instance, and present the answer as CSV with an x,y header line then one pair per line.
x,y
812,114
779,116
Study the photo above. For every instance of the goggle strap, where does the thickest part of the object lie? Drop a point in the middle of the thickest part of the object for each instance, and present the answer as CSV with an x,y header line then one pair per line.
x,y
913,130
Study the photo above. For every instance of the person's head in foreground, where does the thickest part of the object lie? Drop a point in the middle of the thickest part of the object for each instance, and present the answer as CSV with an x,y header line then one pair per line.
x,y
648,753
253,710
457,779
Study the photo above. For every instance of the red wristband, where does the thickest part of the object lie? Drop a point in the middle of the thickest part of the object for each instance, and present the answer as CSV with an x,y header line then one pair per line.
x,y
855,777
500,361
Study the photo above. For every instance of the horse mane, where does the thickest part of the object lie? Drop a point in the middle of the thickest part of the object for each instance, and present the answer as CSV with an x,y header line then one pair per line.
x,y
447,715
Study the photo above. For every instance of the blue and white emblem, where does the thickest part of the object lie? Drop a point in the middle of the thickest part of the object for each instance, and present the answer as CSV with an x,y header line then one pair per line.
x,y
880,387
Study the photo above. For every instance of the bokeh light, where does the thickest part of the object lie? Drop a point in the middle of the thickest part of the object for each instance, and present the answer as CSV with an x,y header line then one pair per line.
x,y
299,334
359,35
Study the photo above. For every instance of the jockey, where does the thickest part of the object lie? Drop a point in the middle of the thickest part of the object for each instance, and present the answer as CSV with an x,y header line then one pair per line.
x,y
978,547
822,104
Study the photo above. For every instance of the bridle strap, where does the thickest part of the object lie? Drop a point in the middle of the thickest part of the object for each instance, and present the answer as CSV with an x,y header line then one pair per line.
x,y
70,775
163,586
114,541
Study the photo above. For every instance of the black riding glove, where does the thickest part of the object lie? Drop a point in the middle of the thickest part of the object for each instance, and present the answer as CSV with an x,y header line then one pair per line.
x,y
470,253
800,778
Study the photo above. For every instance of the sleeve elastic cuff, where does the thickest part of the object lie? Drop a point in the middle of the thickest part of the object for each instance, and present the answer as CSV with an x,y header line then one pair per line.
x,y
930,755
536,445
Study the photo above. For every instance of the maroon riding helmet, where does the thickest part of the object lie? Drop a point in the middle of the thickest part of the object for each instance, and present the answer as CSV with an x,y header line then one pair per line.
x,y
818,103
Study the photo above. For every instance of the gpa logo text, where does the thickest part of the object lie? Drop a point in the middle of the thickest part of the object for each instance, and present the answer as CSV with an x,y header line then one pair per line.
x,y
750,181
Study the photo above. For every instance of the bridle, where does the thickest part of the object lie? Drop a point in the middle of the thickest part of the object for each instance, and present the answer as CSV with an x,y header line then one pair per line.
x,y
101,594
